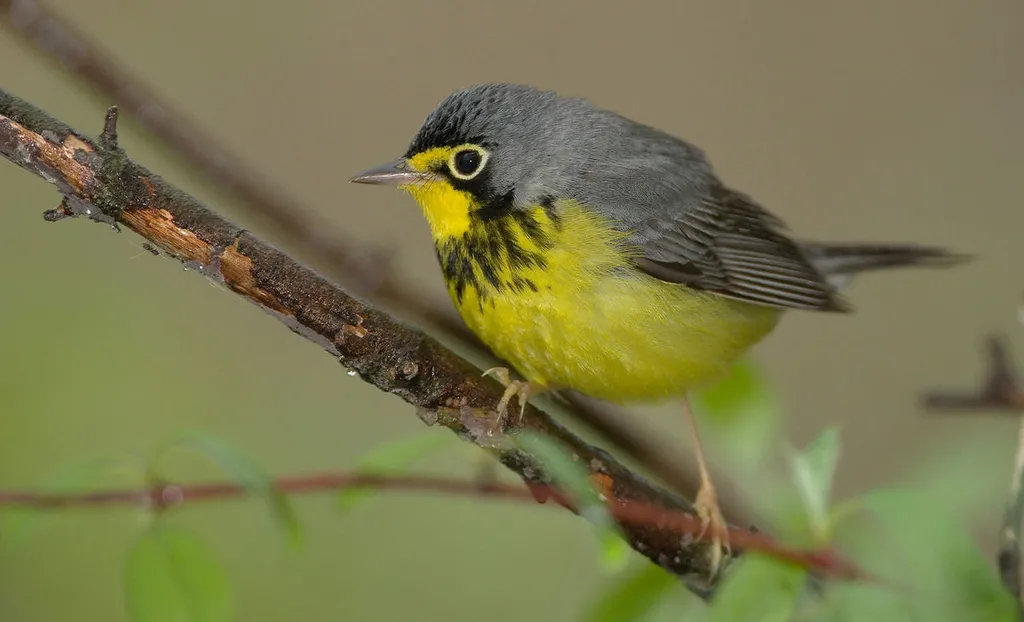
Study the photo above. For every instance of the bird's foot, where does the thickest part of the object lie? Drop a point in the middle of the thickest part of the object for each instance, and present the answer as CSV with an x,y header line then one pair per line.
x,y
519,389
712,521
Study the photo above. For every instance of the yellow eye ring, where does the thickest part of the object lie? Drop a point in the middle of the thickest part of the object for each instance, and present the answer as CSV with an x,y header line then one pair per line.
x,y
466,161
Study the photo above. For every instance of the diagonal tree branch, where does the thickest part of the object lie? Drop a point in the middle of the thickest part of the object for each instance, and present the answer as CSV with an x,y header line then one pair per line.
x,y
99,181
78,55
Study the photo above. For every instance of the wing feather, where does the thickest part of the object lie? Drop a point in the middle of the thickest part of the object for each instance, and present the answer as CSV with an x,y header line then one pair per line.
x,y
732,246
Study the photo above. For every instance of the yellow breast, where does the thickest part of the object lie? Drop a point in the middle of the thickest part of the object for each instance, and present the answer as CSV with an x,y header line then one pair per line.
x,y
550,290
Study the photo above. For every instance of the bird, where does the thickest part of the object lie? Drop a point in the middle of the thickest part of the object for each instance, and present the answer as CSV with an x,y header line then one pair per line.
x,y
596,253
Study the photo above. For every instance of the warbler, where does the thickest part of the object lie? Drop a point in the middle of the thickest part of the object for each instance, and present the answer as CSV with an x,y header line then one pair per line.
x,y
596,253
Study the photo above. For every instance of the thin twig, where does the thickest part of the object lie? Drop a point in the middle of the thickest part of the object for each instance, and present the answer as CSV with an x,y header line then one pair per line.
x,y
105,185
1000,391
77,54
823,562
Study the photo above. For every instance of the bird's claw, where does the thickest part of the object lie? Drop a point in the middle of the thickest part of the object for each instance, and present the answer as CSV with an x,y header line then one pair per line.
x,y
513,388
500,374
712,521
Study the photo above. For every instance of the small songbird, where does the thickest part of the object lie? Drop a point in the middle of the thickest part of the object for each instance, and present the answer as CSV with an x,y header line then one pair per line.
x,y
595,253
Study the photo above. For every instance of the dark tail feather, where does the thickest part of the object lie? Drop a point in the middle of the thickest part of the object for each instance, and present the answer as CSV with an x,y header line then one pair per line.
x,y
841,261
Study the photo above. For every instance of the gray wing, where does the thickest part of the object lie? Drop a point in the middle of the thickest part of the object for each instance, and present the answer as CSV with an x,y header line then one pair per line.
x,y
690,228
725,243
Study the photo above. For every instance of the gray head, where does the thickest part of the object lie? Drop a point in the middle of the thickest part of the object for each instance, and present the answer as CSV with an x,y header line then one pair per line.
x,y
533,139
510,145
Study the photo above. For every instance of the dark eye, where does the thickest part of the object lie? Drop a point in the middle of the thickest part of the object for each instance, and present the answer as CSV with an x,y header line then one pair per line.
x,y
467,162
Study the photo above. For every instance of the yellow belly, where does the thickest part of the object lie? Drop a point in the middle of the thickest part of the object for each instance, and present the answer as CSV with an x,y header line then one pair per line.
x,y
622,337
550,290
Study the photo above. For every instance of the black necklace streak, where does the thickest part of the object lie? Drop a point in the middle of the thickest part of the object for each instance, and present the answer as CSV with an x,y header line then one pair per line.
x,y
488,257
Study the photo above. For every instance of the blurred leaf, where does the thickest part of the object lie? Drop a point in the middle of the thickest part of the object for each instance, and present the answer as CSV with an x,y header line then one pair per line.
x,y
244,469
565,472
393,458
247,472
813,470
615,552
974,465
924,552
855,602
172,576
741,394
283,510
758,588
633,597
741,410
779,507
568,475
18,524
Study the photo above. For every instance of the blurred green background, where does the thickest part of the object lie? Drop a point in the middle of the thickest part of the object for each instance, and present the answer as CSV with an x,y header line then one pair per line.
x,y
853,121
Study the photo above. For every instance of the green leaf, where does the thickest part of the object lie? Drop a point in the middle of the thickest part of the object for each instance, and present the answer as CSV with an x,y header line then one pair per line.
x,y
247,472
571,477
858,601
172,576
232,460
758,588
392,458
283,510
566,472
814,470
741,394
634,597
975,465
742,410
615,552
20,523
921,547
